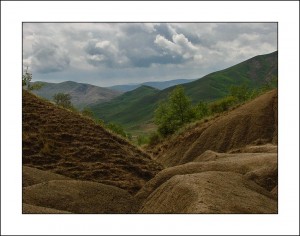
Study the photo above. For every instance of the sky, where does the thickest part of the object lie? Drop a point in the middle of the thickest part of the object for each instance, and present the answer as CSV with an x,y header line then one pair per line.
x,y
106,54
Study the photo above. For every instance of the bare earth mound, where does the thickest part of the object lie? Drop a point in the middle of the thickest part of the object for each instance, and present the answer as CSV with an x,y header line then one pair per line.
x,y
32,176
209,192
252,123
31,209
66,143
79,197
257,168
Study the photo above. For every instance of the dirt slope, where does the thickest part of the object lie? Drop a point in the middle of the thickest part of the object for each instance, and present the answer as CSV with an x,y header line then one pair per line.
x,y
79,197
32,209
31,176
260,168
252,123
66,143
209,192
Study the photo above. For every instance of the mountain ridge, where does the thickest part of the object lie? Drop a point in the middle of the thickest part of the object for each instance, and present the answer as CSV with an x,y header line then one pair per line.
x,y
81,94
254,72
155,84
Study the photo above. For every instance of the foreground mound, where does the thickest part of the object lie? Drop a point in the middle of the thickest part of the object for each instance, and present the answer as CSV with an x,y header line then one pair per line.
x,y
258,169
253,122
32,176
79,197
66,143
31,209
209,192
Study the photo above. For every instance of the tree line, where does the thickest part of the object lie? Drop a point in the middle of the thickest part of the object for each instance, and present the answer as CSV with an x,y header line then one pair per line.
x,y
177,110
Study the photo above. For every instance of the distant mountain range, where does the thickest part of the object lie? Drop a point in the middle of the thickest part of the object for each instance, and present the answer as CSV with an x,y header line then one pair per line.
x,y
155,84
136,108
82,94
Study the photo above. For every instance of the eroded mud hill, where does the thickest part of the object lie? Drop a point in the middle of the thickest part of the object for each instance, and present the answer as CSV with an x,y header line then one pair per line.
x,y
252,123
66,143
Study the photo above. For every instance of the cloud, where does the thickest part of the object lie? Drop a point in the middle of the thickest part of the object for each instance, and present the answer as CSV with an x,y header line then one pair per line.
x,y
180,46
104,53
45,56
138,50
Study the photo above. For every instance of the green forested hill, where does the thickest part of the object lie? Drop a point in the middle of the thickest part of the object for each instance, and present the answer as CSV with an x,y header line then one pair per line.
x,y
129,108
136,108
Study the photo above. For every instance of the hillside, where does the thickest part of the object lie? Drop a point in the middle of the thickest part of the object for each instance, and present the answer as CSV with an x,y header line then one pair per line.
x,y
122,109
155,84
255,72
82,94
253,122
228,164
65,143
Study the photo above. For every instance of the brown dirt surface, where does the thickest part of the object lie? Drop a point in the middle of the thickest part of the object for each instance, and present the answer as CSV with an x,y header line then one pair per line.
x,y
254,123
209,192
275,191
260,168
31,209
266,148
32,176
80,197
66,143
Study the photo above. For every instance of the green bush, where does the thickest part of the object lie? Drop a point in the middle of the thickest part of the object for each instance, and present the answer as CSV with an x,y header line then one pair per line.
x,y
222,105
62,99
99,122
202,110
142,139
116,128
240,93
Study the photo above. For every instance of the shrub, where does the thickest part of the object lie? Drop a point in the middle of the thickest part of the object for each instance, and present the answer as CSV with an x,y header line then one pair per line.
x,y
202,110
99,122
116,128
222,105
26,79
62,99
240,93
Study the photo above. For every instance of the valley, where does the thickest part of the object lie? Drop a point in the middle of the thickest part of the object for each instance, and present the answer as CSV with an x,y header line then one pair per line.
x,y
222,163
135,109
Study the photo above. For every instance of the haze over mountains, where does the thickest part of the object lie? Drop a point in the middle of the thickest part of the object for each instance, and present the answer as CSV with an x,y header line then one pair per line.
x,y
86,94
82,94
135,108
155,84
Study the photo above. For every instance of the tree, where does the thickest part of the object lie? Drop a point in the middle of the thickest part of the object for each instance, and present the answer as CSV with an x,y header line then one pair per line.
x,y
63,99
26,78
202,110
174,113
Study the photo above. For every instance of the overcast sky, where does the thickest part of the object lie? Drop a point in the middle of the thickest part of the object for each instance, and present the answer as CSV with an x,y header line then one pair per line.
x,y
106,54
